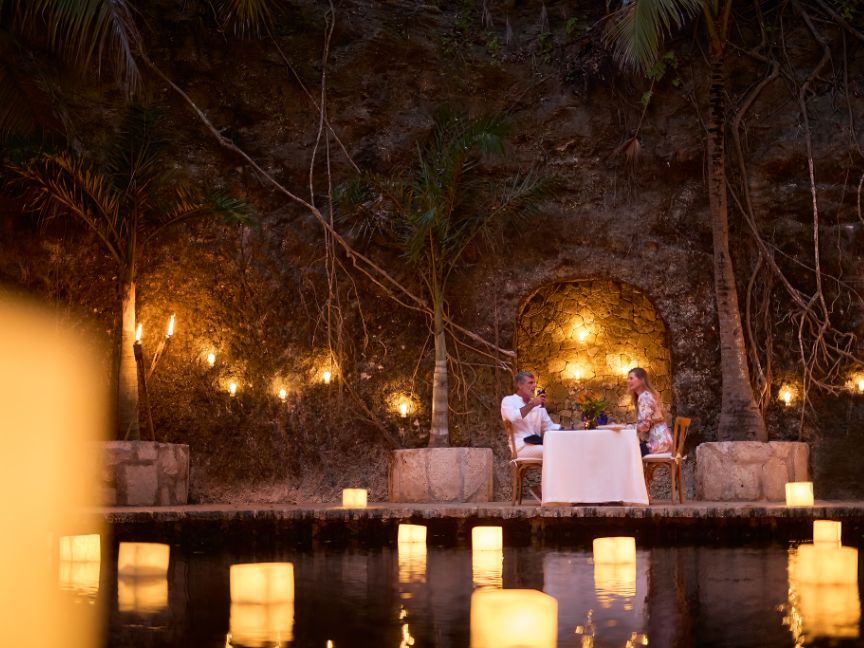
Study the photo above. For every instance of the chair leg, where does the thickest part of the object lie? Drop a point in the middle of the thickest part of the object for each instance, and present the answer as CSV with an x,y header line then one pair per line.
x,y
679,470
517,485
672,480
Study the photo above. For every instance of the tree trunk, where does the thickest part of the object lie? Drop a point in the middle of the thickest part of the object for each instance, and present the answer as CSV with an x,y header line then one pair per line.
x,y
127,383
739,415
439,435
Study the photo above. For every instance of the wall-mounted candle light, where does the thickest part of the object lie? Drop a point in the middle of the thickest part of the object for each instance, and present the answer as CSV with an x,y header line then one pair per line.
x,y
403,409
283,394
326,377
138,332
786,396
232,388
861,385
211,358
170,326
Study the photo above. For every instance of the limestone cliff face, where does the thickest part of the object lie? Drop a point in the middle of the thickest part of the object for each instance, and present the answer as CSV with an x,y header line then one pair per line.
x,y
257,297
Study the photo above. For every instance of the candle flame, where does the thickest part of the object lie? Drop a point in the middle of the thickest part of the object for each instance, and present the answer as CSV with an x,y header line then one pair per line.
x,y
327,376
170,326
211,359
232,388
138,332
403,409
283,394
861,384
786,396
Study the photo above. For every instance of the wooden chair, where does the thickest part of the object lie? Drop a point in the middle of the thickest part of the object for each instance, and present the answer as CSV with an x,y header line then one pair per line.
x,y
672,460
519,466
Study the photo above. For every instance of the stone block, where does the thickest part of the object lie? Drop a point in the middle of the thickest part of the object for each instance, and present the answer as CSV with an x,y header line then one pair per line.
x,y
749,470
145,473
441,475
140,483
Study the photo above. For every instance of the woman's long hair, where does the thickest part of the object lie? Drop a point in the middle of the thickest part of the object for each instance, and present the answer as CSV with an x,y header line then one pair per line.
x,y
642,375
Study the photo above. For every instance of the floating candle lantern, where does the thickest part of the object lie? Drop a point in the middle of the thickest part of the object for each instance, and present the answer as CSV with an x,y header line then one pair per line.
x,y
262,604
512,618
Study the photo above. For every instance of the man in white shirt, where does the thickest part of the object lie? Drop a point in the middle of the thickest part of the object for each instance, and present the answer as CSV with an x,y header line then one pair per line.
x,y
527,413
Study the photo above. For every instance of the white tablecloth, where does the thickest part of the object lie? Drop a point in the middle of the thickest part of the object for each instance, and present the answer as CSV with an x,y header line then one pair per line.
x,y
592,466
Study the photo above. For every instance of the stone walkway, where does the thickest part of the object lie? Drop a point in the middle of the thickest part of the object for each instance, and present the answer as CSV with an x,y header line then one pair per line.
x,y
245,526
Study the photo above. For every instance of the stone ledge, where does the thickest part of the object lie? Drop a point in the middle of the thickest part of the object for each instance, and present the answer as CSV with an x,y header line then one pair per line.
x,y
749,470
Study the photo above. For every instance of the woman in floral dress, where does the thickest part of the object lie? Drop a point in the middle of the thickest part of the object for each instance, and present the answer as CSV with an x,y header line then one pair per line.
x,y
650,417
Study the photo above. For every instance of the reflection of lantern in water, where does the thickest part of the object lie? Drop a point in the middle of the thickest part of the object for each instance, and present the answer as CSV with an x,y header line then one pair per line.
x,y
513,618
487,556
827,532
823,591
615,566
412,553
262,604
354,497
142,581
80,557
799,493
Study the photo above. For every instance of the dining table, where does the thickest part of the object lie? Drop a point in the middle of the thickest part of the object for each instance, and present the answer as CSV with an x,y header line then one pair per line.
x,y
602,465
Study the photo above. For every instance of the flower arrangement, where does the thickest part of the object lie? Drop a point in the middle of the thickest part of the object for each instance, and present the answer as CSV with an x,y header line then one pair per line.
x,y
592,405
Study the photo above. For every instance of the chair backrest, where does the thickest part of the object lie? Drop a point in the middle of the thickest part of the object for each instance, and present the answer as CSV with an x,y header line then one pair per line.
x,y
679,435
511,439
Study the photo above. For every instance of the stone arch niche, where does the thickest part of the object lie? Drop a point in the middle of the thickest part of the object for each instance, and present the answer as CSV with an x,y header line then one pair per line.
x,y
586,335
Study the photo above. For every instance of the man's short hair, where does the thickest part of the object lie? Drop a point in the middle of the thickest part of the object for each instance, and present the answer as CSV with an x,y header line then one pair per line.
x,y
522,376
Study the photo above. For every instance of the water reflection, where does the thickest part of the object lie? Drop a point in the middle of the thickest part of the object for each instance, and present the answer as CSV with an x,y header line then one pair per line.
x,y
487,556
676,597
823,593
599,603
142,581
80,564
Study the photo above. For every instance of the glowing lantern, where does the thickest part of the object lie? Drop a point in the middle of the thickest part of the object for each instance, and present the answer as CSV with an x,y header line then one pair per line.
x,y
283,394
211,358
142,583
80,562
411,534
487,556
232,388
861,385
827,532
786,396
582,335
799,494
354,497
412,553
615,566
326,376
403,409
512,618
823,590
262,604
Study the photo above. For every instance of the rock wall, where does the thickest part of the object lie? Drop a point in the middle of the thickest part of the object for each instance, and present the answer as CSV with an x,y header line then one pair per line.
x,y
587,335
145,473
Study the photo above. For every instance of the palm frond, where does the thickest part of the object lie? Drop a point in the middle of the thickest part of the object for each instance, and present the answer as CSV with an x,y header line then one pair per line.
x,y
249,17
638,28
60,184
84,31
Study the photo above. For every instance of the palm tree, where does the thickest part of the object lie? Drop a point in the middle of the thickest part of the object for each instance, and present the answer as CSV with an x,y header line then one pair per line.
x,y
638,29
437,212
126,203
40,40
